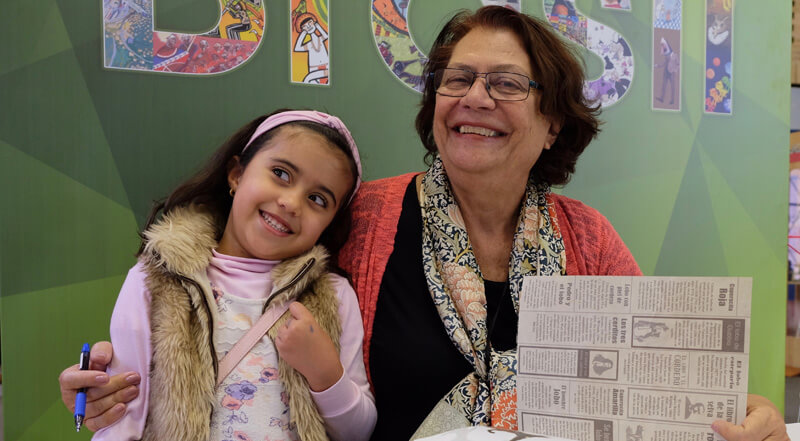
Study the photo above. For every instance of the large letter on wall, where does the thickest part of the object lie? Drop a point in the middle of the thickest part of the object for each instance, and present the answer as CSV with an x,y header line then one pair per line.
x,y
399,52
719,56
394,42
132,43
604,41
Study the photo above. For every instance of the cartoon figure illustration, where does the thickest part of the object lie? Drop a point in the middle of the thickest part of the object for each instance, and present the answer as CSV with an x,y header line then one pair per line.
x,y
601,89
563,8
601,364
719,57
237,12
170,49
693,409
245,15
617,4
667,10
128,38
312,39
622,48
671,65
644,329
399,70
621,86
385,49
630,435
720,29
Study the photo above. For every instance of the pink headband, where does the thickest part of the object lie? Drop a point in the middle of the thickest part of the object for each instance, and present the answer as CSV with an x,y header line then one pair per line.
x,y
316,117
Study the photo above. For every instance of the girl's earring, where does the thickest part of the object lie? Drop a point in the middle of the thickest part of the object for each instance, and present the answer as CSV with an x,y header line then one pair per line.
x,y
231,192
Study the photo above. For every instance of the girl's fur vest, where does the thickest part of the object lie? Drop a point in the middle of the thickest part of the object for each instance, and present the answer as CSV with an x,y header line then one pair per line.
x,y
182,316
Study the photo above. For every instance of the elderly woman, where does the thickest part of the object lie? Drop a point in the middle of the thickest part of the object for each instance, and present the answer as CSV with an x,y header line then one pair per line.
x,y
437,259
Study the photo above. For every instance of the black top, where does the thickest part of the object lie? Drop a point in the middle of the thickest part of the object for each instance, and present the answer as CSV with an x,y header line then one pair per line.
x,y
413,363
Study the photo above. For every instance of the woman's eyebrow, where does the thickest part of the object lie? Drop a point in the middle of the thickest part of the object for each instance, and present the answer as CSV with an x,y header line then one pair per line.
x,y
512,68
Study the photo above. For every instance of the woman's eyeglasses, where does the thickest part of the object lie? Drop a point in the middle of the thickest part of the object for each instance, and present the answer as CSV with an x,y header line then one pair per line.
x,y
501,86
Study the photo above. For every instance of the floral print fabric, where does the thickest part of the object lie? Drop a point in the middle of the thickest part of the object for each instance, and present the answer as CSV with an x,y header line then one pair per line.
x,y
251,402
457,288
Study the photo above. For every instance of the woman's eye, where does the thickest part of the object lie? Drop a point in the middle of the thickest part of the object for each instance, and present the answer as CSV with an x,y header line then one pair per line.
x,y
507,84
281,174
457,80
319,200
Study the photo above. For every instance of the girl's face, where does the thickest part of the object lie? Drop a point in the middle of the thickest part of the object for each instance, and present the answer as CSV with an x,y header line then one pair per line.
x,y
286,196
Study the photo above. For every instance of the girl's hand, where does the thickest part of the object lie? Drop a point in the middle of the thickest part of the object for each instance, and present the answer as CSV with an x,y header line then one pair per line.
x,y
105,396
309,349
763,422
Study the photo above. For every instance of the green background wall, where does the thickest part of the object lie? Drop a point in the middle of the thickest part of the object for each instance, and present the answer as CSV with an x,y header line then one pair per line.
x,y
84,150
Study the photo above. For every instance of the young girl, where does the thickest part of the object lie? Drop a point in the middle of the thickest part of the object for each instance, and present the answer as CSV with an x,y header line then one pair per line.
x,y
238,238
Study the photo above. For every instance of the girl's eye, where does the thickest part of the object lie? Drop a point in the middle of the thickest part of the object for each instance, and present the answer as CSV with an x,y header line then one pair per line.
x,y
281,174
319,200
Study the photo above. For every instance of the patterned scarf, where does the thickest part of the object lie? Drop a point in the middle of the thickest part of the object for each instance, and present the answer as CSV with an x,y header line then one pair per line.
x,y
486,396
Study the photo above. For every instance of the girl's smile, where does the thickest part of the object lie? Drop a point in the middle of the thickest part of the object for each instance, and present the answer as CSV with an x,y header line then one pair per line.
x,y
276,224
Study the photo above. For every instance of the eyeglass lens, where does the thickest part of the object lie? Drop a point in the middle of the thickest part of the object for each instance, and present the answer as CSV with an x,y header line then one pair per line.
x,y
505,86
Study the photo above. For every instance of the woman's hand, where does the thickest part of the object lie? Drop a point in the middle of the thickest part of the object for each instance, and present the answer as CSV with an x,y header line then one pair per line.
x,y
763,422
309,349
105,396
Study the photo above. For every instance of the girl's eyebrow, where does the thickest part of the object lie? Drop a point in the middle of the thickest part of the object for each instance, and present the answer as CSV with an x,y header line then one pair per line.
x,y
297,171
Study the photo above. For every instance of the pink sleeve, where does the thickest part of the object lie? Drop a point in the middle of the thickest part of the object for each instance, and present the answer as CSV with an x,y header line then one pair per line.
x,y
130,337
348,407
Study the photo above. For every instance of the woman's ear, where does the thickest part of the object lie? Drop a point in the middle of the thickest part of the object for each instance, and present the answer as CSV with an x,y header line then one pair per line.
x,y
234,173
552,134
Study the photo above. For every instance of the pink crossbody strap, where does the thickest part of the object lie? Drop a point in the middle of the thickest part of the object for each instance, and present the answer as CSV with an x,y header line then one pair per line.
x,y
243,346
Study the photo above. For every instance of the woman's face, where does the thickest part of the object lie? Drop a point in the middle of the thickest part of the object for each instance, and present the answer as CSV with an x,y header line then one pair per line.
x,y
475,134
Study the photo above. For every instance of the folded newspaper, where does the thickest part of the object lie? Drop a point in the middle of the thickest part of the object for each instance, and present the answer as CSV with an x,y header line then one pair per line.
x,y
632,358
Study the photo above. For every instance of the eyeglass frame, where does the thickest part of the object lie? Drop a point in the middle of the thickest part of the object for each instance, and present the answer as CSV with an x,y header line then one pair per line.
x,y
476,75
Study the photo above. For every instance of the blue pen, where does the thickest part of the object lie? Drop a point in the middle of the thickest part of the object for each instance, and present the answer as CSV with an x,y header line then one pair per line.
x,y
80,398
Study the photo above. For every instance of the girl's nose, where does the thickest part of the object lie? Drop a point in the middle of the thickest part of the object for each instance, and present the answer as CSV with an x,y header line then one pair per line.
x,y
290,202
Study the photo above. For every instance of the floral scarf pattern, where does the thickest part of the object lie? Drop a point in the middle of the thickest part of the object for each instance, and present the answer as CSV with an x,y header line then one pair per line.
x,y
457,288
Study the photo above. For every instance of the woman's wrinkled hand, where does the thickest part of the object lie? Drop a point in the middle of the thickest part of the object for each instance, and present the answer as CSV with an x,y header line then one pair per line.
x,y
763,423
105,395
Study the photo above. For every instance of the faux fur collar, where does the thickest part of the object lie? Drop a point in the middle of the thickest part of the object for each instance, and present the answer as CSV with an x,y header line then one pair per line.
x,y
182,240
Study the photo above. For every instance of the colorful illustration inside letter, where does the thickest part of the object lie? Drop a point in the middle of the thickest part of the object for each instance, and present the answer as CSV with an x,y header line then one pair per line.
x,y
312,39
671,64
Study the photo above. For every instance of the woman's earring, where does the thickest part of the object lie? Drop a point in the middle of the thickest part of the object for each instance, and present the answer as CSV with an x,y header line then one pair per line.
x,y
231,192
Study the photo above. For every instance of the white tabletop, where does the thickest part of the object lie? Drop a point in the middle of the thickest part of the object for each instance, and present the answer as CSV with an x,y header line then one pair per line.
x,y
794,431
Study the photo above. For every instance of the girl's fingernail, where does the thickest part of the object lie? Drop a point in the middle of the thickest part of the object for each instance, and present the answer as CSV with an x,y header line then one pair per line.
x,y
132,378
102,378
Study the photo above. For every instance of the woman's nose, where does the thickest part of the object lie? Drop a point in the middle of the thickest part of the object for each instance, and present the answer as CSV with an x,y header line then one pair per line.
x,y
478,94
